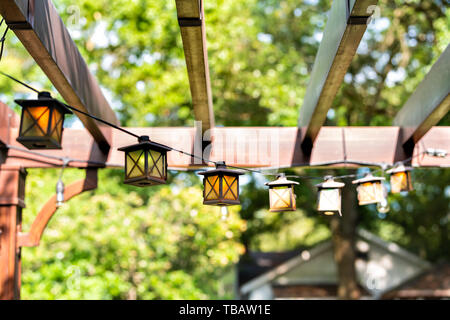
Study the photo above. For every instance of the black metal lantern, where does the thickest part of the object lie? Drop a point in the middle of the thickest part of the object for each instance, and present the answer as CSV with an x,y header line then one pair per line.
x,y
145,163
370,189
221,186
281,194
400,178
329,196
41,124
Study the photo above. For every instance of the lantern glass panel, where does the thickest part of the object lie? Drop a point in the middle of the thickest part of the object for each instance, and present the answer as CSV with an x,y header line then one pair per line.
x,y
35,121
221,186
41,125
135,164
146,163
330,200
370,192
56,124
280,198
212,188
401,181
156,164
230,188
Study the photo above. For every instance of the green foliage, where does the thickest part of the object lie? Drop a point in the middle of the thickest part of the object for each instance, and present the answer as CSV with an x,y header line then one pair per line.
x,y
397,51
124,242
112,244
418,220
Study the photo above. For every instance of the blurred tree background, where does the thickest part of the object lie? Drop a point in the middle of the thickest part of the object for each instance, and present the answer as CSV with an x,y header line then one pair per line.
x,y
120,242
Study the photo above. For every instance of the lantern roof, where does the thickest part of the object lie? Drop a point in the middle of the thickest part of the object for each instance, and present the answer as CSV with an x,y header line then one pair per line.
x,y
330,184
368,178
146,143
221,168
281,181
43,97
400,167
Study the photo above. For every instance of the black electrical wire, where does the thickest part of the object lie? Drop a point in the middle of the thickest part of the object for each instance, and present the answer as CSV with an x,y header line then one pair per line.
x,y
73,108
20,82
102,121
383,166
2,40
193,156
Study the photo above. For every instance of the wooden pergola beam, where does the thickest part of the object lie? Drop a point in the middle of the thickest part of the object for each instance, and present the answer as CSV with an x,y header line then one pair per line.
x,y
428,104
12,186
345,28
42,32
8,119
253,147
192,24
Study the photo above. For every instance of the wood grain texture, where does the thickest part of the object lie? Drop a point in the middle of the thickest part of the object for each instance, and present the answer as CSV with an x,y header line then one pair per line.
x,y
8,119
253,147
12,189
196,55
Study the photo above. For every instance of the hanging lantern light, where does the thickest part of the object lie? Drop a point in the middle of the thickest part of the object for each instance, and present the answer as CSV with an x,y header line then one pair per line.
x,y
281,194
145,163
400,178
41,124
329,196
221,186
370,189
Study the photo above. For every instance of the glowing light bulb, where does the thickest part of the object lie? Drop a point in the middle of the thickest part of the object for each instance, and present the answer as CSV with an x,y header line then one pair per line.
x,y
383,206
224,212
59,193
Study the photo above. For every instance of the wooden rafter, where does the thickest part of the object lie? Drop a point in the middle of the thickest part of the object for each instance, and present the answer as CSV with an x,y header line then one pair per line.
x,y
42,32
264,147
345,27
192,24
427,105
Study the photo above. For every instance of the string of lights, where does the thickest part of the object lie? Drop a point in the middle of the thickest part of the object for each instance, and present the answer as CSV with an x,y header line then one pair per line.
x,y
146,164
20,82
127,131
383,166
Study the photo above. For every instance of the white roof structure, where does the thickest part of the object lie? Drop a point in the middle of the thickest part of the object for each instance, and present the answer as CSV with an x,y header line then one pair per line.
x,y
387,265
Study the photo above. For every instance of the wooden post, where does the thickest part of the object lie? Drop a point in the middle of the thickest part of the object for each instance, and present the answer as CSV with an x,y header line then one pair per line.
x,y
12,189
344,239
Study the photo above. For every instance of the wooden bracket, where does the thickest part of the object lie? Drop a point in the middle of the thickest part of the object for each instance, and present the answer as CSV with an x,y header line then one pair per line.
x,y
33,237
